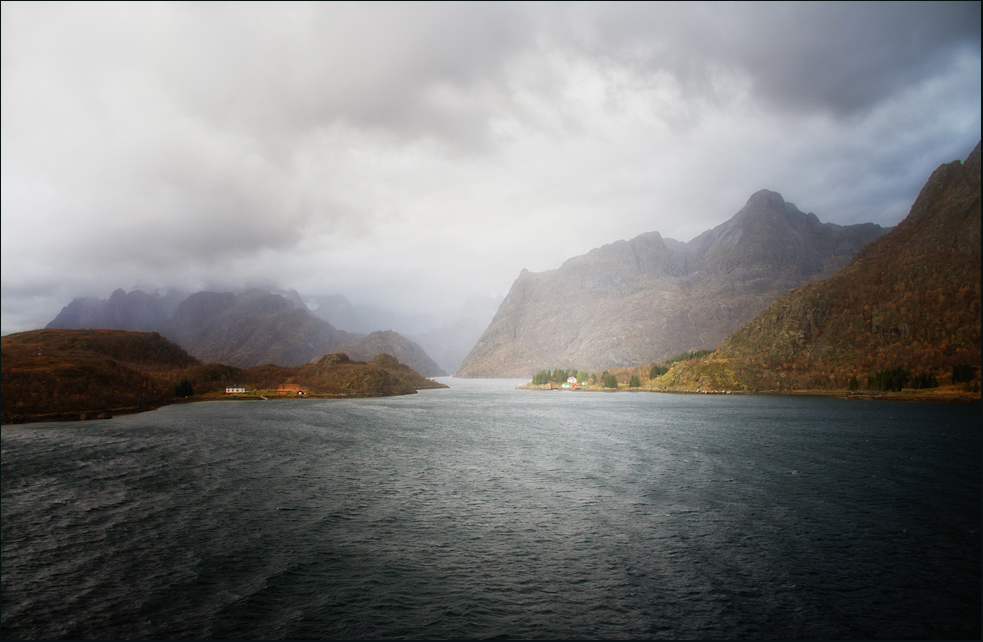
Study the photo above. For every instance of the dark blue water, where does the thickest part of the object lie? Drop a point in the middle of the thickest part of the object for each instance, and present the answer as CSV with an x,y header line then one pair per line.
x,y
483,511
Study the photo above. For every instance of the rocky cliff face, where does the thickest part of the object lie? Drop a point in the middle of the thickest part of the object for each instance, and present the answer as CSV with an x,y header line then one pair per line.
x,y
643,300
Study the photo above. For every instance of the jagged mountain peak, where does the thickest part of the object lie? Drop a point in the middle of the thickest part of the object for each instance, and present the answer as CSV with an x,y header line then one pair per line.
x,y
907,303
650,297
135,310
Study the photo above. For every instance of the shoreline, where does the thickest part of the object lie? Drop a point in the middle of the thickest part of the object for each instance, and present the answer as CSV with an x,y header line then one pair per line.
x,y
109,413
933,395
936,395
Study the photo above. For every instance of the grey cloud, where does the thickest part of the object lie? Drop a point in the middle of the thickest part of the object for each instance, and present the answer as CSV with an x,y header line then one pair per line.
x,y
841,57
366,65
188,144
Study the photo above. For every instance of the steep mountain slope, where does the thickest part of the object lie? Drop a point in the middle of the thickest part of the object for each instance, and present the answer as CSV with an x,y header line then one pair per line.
x,y
910,300
642,300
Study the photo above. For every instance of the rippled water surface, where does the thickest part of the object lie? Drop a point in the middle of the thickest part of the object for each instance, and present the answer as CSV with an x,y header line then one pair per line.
x,y
483,511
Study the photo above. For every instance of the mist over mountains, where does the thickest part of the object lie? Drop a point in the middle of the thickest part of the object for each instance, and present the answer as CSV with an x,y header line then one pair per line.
x,y
260,326
447,336
250,328
136,311
627,303
649,298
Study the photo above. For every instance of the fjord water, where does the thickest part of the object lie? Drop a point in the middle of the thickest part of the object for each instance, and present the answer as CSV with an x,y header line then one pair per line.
x,y
484,511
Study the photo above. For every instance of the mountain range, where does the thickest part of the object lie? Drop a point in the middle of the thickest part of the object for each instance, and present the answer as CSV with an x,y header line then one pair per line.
x,y
247,329
906,309
136,311
646,299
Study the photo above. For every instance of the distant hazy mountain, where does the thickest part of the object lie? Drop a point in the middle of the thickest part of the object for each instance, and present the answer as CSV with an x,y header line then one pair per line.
x,y
643,300
909,301
446,336
396,345
339,312
254,327
251,328
450,343
257,327
136,311
344,315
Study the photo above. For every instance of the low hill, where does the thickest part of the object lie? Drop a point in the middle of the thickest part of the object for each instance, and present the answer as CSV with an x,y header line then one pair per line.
x,y
333,375
643,300
77,371
71,374
907,308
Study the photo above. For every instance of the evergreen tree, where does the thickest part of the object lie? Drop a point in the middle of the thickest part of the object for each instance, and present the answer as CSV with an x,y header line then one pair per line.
x,y
657,370
183,389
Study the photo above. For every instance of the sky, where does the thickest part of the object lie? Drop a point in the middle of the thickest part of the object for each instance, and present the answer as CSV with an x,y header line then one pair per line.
x,y
410,156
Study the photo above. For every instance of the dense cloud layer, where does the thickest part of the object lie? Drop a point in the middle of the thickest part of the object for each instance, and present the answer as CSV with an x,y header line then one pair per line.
x,y
412,155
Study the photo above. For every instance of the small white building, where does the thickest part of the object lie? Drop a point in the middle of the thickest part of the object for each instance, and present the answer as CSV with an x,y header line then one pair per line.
x,y
234,389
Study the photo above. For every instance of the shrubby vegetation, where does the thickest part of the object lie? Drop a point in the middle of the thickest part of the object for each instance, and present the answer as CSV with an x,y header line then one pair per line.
x,y
686,356
659,369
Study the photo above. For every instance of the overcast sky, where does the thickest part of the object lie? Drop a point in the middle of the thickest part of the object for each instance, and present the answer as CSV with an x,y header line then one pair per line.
x,y
413,155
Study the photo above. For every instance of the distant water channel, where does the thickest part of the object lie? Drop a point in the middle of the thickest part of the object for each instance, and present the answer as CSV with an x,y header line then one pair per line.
x,y
483,511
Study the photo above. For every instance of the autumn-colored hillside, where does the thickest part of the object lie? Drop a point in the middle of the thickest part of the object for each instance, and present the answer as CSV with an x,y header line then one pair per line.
x,y
72,374
904,313
86,371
